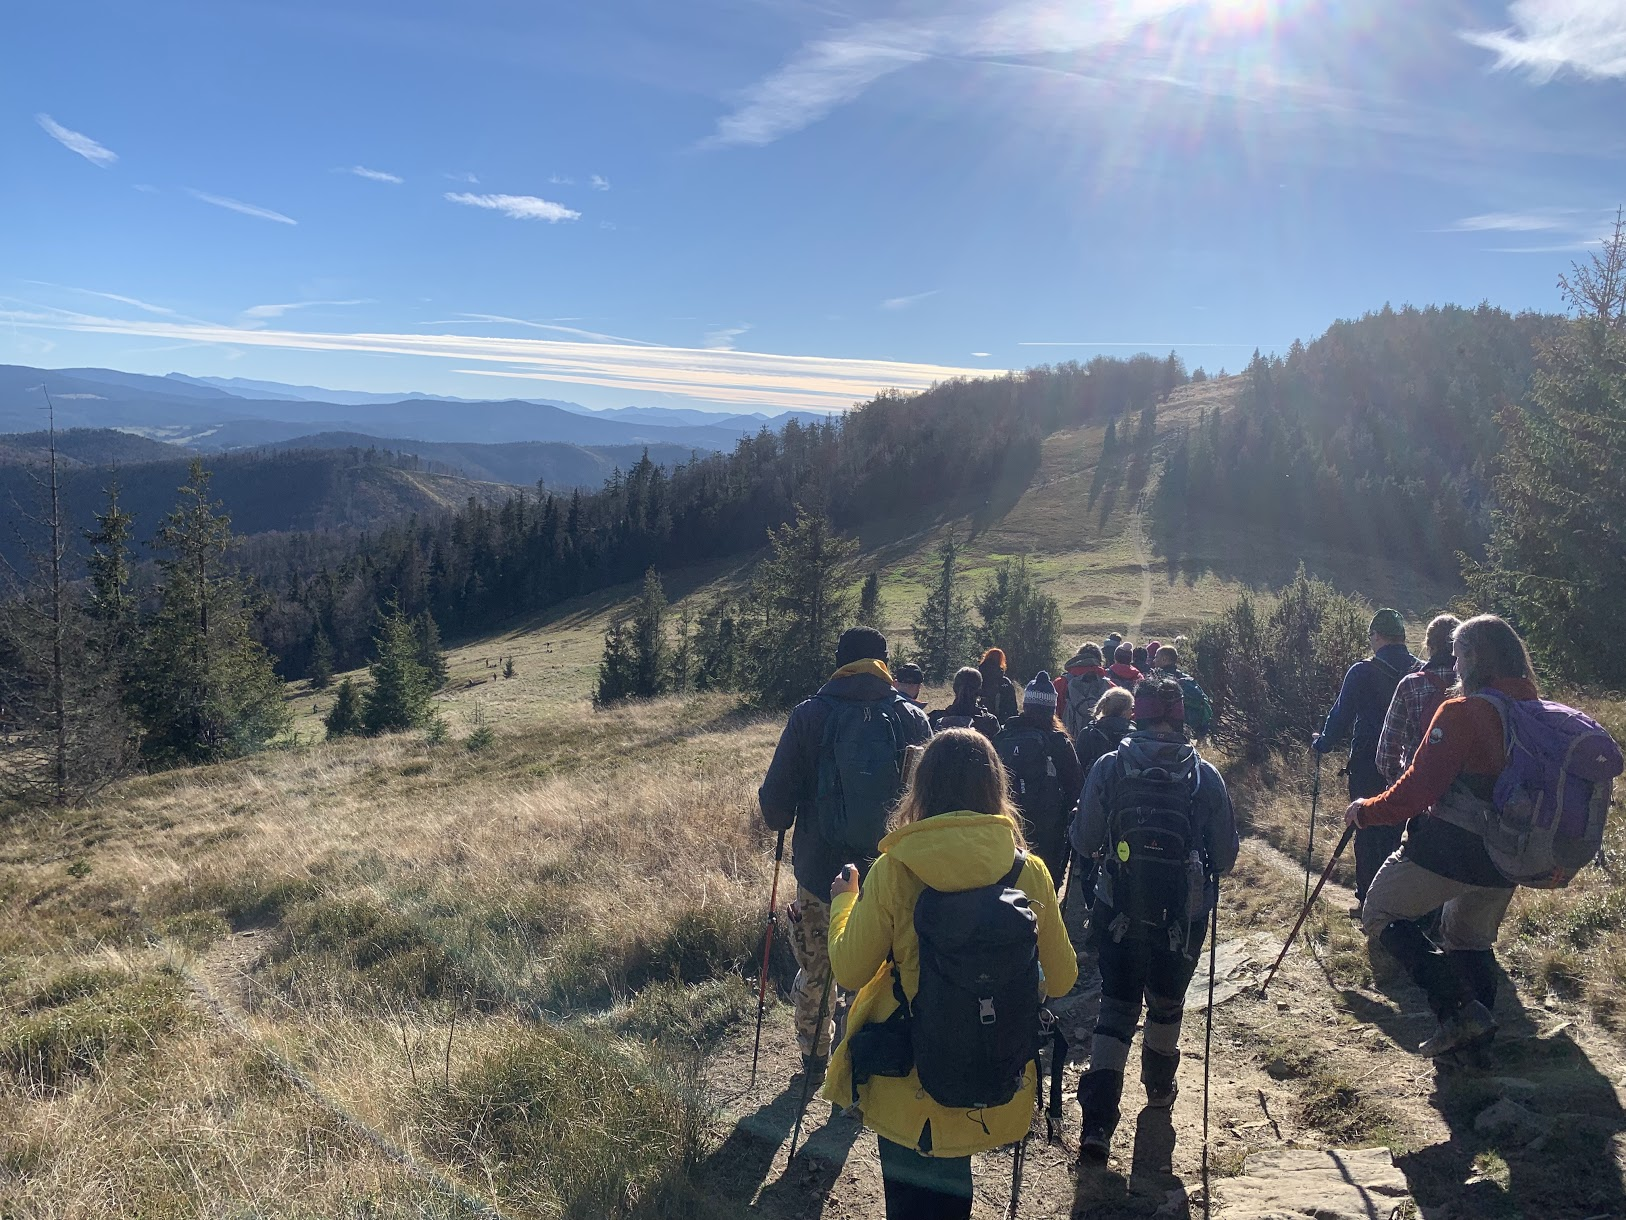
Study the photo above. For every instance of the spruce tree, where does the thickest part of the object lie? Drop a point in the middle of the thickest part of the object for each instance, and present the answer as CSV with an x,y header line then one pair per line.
x,y
320,669
648,639
617,667
871,607
204,687
430,653
399,697
61,679
343,719
803,587
682,663
1020,618
717,647
943,634
1554,562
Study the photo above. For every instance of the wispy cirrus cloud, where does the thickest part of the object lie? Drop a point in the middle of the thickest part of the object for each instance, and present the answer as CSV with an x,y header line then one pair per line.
x,y
599,182
1548,38
722,339
830,72
237,205
77,141
1514,222
516,207
908,301
373,175
1567,230
463,176
263,313
722,376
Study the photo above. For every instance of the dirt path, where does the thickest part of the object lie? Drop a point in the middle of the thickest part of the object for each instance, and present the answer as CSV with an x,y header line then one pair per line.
x,y
1537,1129
1143,556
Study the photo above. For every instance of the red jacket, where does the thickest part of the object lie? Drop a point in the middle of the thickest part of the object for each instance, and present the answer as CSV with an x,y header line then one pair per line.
x,y
1463,739
1124,675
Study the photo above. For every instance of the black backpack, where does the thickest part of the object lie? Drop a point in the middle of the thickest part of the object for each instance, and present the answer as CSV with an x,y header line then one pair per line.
x,y
1151,835
860,773
975,1019
1035,787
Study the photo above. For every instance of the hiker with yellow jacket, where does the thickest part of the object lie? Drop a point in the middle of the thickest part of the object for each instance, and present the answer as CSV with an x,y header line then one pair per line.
x,y
956,844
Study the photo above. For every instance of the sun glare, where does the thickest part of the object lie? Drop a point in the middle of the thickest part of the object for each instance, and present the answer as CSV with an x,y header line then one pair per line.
x,y
1243,14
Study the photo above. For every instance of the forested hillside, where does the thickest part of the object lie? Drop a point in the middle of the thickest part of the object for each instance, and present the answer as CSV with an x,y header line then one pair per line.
x,y
294,491
954,444
1380,435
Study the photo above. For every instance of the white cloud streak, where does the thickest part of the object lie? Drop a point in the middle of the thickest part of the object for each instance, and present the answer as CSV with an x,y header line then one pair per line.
x,y
599,182
374,175
462,177
906,302
722,339
763,378
1548,38
830,72
264,312
237,205
516,207
1513,222
77,141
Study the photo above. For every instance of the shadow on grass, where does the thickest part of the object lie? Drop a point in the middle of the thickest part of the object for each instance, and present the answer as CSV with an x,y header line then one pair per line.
x,y
740,1166
1551,1153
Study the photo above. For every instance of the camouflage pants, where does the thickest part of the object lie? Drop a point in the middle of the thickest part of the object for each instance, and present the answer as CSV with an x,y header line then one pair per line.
x,y
809,941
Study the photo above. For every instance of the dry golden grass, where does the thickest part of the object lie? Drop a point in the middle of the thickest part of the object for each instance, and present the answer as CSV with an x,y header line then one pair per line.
x,y
429,929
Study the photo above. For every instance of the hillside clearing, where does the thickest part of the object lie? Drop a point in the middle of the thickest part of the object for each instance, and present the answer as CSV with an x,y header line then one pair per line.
x,y
572,913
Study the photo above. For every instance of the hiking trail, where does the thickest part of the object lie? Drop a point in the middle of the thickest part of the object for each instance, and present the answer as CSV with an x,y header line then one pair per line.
x,y
1143,556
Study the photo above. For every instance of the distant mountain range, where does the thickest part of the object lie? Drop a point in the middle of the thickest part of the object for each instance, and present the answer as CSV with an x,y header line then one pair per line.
x,y
201,414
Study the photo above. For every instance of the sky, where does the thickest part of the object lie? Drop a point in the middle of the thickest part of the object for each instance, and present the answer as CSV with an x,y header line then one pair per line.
x,y
774,204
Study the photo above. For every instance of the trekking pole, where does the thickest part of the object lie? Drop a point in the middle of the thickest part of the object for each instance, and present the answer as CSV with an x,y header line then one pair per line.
x,y
1309,852
1349,833
807,1076
1017,1158
767,948
1208,1036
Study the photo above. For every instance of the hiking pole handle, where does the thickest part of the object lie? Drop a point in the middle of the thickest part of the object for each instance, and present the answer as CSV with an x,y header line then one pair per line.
x,y
767,951
1349,833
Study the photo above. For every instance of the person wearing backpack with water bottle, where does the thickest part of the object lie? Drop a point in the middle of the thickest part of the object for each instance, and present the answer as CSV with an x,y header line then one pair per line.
x,y
837,772
953,942
1158,818
1042,769
1505,790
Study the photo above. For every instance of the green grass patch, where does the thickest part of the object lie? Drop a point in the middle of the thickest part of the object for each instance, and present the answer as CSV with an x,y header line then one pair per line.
x,y
80,1022
591,969
573,1125
699,1016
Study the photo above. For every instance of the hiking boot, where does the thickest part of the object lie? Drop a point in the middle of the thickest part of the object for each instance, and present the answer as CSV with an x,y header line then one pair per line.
x,y
1095,1144
813,1067
1471,1023
1161,1097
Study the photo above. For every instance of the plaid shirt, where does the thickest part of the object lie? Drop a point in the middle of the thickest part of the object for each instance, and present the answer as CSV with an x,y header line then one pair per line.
x,y
1417,698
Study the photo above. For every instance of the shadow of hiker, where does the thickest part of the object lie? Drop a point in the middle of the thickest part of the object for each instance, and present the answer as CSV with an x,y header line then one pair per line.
x,y
744,1160
807,1181
1540,1133
1151,1188
1536,1129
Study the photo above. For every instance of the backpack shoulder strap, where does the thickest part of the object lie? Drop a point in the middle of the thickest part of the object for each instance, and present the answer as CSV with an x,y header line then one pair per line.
x,y
1011,878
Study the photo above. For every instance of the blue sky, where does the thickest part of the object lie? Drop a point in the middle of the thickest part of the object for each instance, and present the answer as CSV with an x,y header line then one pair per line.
x,y
761,204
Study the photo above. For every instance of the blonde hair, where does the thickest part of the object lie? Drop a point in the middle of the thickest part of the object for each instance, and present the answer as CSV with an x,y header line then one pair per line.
x,y
1440,633
1115,702
959,770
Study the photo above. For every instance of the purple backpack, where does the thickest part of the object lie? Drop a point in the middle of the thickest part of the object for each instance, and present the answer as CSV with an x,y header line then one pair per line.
x,y
1552,798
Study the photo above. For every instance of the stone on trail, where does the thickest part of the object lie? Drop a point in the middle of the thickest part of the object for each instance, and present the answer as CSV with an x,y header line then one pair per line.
x,y
1293,1184
1509,1119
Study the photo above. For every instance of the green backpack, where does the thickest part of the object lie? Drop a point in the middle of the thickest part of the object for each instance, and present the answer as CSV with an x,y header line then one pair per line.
x,y
860,775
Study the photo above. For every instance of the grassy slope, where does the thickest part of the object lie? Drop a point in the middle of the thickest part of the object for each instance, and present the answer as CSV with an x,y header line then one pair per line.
x,y
456,948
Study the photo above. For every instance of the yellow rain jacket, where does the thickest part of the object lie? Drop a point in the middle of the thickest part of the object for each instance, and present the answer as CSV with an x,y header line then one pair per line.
x,y
951,852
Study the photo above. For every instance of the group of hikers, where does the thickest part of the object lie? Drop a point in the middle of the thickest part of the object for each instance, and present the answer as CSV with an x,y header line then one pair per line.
x,y
929,851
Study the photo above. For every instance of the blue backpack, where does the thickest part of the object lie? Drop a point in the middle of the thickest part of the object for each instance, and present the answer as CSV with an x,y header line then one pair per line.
x,y
1552,798
860,773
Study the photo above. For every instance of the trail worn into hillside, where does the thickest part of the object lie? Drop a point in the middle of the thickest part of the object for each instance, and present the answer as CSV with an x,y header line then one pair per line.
x,y
1143,556
1301,1083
